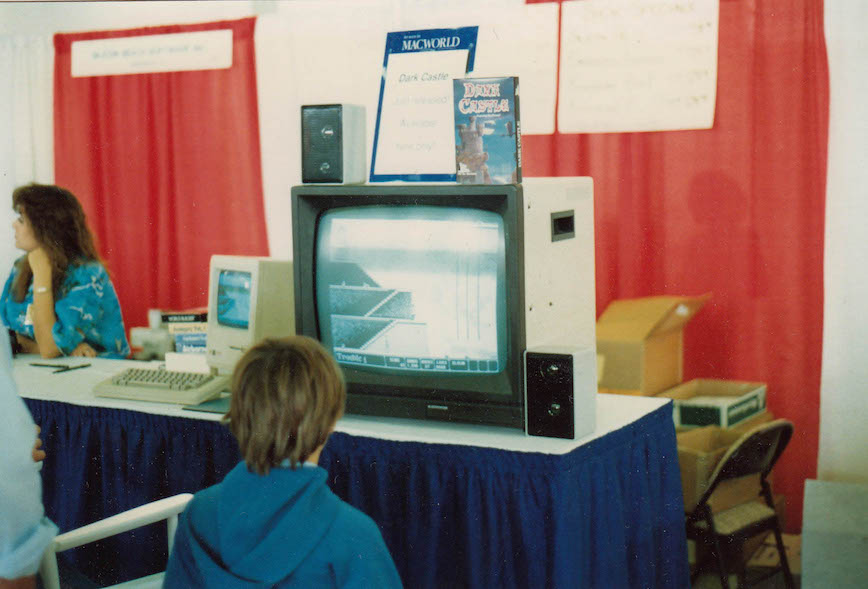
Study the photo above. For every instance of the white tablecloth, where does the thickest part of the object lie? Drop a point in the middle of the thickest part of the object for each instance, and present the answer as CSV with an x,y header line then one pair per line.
x,y
76,386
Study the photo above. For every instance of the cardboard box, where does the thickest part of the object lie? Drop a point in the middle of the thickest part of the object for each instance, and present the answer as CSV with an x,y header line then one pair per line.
x,y
767,554
699,451
743,426
631,392
642,342
724,403
601,365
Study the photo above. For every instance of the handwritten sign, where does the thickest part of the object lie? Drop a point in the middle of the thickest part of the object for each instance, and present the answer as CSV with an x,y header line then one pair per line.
x,y
174,52
638,65
515,39
414,138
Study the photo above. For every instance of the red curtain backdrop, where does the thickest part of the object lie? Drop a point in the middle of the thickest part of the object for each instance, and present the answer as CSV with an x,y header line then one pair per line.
x,y
737,210
167,166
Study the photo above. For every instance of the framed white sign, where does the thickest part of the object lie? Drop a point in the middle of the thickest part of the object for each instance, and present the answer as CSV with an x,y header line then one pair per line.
x,y
414,138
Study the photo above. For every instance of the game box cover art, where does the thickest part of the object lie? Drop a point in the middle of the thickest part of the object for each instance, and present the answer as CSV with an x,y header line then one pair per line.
x,y
487,130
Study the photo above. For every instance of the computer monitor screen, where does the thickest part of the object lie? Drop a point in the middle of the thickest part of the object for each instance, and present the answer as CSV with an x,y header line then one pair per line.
x,y
233,298
249,298
413,289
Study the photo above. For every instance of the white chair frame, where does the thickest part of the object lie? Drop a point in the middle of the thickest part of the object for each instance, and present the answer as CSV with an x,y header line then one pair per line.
x,y
164,509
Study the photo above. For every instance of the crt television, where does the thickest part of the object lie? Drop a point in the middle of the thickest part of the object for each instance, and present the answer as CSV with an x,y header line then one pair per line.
x,y
422,295
249,298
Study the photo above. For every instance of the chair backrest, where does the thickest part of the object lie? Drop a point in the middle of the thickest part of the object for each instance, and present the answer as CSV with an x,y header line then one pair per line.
x,y
756,452
163,509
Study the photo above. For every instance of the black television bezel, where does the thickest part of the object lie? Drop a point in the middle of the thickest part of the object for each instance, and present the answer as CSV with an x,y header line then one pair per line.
x,y
427,397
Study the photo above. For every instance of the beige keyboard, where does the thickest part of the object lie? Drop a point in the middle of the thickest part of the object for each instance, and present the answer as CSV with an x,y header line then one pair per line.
x,y
162,386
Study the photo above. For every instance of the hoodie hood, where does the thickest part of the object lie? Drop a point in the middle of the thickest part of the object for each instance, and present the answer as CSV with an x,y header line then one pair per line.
x,y
253,518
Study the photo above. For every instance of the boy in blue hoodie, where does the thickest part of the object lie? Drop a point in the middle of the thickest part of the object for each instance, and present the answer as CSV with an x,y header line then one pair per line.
x,y
273,521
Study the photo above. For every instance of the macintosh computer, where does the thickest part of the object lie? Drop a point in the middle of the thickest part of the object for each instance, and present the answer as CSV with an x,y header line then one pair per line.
x,y
249,298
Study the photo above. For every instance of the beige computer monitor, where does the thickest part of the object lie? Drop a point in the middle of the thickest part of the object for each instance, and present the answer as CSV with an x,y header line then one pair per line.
x,y
249,299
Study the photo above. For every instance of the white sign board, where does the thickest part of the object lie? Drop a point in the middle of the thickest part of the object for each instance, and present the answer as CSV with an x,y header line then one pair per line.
x,y
414,139
174,52
637,65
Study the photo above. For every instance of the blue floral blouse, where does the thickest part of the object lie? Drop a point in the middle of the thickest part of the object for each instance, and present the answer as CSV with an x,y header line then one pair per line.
x,y
87,309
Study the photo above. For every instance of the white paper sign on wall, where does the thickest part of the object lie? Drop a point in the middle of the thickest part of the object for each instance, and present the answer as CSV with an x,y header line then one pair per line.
x,y
174,52
637,65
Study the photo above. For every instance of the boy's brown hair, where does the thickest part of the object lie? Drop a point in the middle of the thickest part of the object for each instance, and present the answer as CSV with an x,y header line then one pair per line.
x,y
287,395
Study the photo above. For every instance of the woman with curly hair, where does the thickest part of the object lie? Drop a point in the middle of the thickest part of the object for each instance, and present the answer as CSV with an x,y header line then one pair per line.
x,y
58,299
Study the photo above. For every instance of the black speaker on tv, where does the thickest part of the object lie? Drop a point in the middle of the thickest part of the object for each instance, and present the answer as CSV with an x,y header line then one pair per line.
x,y
560,392
333,143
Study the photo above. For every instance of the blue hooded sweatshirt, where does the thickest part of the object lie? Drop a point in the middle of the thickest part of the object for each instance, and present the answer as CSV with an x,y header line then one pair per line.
x,y
284,529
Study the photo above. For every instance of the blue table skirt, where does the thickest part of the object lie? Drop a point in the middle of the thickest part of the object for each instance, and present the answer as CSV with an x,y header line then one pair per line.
x,y
609,514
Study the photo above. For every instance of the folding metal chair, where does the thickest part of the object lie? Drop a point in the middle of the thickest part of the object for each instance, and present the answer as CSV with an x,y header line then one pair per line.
x,y
756,452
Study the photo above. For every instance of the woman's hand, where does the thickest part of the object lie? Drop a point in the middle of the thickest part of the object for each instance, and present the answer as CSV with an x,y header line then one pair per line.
x,y
38,453
83,349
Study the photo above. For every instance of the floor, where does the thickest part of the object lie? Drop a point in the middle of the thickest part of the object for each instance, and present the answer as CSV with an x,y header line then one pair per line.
x,y
765,557
707,581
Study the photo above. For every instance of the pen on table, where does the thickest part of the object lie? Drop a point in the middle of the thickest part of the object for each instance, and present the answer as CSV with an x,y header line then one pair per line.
x,y
60,367
68,368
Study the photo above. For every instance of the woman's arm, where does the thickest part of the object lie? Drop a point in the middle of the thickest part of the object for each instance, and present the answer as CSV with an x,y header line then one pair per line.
x,y
20,583
43,303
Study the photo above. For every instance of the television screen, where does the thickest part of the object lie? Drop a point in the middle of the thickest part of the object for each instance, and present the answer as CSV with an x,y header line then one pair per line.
x,y
418,292
233,298
413,289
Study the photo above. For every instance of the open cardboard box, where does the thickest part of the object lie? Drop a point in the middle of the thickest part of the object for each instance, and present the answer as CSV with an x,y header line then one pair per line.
x,y
724,403
699,451
642,342
766,553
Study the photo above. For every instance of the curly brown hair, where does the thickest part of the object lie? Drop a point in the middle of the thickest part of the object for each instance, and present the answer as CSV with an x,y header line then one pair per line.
x,y
59,225
287,395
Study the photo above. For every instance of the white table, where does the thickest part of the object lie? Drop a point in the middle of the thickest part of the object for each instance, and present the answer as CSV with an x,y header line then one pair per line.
x,y
458,505
76,386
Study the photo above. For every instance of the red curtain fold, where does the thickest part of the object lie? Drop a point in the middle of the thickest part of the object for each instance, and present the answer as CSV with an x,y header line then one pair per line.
x,y
737,210
166,165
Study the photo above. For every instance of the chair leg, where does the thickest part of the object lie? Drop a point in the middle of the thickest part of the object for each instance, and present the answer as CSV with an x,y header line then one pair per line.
x,y
698,565
718,553
785,565
779,540
48,572
742,571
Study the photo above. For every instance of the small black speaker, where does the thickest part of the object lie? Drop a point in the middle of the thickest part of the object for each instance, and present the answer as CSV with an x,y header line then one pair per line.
x,y
332,143
560,393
